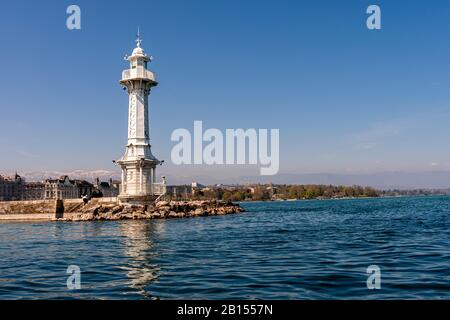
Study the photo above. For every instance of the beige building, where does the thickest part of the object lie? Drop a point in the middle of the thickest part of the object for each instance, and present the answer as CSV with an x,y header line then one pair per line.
x,y
62,188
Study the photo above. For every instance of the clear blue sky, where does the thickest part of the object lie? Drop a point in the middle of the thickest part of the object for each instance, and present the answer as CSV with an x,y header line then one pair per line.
x,y
346,99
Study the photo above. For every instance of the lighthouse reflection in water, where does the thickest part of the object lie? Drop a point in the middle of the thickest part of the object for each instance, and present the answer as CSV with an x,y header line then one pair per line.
x,y
139,247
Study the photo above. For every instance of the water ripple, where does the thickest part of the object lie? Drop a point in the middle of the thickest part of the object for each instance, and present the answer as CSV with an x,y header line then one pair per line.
x,y
278,250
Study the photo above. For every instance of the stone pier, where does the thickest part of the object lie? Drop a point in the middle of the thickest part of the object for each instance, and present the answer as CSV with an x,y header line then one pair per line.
x,y
111,209
31,210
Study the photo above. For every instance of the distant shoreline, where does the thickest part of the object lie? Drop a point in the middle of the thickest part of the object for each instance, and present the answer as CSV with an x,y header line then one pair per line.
x,y
347,198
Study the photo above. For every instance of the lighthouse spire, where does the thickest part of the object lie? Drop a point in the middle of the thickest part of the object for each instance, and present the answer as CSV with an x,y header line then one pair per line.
x,y
138,39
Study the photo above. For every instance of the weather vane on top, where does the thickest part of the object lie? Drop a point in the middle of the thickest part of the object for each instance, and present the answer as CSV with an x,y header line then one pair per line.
x,y
138,39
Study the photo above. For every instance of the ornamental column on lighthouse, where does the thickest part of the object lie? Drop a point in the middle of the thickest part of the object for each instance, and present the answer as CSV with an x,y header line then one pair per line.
x,y
138,164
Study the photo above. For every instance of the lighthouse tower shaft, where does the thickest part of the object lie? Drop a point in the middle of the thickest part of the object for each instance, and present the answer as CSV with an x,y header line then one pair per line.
x,y
138,163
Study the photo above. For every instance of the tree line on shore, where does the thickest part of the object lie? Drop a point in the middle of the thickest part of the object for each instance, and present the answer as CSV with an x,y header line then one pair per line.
x,y
285,192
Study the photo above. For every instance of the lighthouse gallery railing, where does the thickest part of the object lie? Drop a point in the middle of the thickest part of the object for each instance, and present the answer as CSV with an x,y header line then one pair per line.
x,y
138,73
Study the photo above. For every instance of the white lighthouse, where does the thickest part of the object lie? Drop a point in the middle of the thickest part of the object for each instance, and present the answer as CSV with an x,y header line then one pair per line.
x,y
138,164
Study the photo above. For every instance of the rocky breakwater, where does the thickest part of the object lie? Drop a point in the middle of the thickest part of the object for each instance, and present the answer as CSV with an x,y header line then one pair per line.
x,y
160,210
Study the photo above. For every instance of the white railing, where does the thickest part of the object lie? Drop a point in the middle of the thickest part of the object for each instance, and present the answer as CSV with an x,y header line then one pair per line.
x,y
159,188
138,73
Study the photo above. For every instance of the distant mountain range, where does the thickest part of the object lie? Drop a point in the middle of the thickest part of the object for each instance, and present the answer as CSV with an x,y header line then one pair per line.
x,y
379,180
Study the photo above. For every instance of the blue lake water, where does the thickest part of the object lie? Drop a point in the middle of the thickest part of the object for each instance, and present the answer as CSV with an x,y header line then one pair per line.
x,y
275,250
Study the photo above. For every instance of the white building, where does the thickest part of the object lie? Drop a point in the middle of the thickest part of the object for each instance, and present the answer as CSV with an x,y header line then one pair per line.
x,y
62,188
138,163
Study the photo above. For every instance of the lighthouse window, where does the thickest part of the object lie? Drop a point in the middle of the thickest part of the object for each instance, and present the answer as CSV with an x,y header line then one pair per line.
x,y
133,65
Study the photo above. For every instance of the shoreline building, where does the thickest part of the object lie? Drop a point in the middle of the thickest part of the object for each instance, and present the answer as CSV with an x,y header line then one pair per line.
x,y
84,188
138,164
33,191
16,188
65,188
107,189
11,188
62,188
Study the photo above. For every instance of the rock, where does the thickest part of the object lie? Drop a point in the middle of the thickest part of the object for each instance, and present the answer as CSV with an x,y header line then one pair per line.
x,y
87,216
138,215
151,209
127,210
108,216
198,212
94,210
162,204
116,209
103,209
173,214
